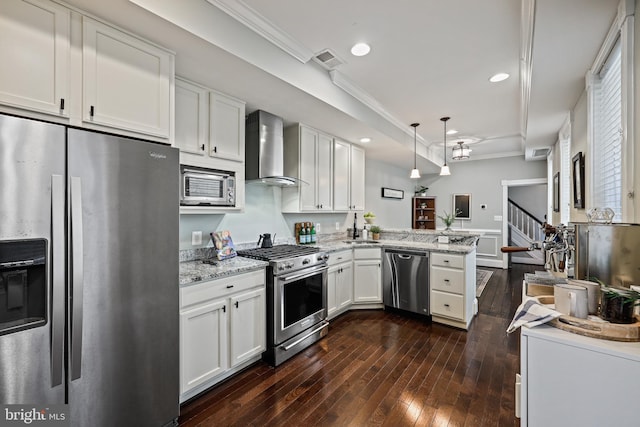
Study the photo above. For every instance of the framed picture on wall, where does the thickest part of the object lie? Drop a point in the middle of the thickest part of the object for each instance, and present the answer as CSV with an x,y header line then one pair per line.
x,y
578,181
462,206
556,192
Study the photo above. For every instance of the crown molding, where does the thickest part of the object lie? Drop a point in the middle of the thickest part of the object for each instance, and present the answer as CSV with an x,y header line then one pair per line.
x,y
249,17
365,98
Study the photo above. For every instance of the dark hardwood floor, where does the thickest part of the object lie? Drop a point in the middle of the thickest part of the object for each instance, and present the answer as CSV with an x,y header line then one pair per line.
x,y
378,368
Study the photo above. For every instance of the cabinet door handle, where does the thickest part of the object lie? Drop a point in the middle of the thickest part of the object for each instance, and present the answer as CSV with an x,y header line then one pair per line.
x,y
91,111
446,280
224,308
447,261
236,304
215,149
202,147
229,286
61,104
446,305
320,206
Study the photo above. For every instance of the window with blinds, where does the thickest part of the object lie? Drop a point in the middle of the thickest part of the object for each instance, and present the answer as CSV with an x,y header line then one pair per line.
x,y
565,181
607,136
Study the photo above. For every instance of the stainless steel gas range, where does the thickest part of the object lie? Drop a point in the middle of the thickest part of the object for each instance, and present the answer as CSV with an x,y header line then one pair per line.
x,y
296,298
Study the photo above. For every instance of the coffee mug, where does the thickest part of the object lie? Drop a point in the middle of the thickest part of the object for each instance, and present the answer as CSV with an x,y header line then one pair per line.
x,y
571,300
593,293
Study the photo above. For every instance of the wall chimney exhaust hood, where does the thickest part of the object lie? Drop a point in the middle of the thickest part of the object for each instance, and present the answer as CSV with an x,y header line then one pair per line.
x,y
264,150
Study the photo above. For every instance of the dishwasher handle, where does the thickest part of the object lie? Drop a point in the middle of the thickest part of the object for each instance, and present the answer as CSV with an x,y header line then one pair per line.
x,y
406,254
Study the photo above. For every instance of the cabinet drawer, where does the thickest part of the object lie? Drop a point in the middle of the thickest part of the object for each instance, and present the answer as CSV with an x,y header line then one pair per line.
x,y
447,260
340,257
366,253
447,279
446,304
205,291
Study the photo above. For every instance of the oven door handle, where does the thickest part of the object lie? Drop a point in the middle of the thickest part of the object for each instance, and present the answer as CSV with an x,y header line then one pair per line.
x,y
298,341
307,273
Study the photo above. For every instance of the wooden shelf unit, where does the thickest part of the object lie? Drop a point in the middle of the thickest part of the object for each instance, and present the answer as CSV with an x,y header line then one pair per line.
x,y
423,213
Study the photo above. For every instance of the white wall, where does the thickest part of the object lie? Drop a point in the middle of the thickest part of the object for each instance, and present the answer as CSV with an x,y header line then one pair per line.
x,y
390,213
483,180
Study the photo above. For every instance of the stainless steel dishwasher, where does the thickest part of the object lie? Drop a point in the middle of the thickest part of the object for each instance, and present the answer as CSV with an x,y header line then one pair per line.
x,y
405,280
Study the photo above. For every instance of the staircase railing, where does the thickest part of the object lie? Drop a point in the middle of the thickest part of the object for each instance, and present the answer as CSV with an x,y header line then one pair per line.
x,y
524,221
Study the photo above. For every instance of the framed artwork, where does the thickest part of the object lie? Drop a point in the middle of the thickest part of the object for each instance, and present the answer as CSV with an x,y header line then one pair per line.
x,y
462,206
556,192
578,181
390,193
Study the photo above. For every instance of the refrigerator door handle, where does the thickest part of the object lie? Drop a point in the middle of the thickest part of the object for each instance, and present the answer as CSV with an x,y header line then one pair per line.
x,y
57,278
77,278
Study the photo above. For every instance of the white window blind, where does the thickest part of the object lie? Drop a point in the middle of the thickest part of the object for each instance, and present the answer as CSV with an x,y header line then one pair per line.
x,y
565,181
607,146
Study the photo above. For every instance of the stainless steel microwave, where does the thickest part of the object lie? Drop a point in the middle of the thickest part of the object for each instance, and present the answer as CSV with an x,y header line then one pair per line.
x,y
208,187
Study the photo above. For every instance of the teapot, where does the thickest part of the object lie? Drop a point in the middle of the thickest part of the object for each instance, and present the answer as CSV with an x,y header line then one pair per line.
x,y
266,240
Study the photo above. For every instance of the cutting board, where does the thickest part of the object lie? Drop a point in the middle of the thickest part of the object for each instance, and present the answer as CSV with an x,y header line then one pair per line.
x,y
592,328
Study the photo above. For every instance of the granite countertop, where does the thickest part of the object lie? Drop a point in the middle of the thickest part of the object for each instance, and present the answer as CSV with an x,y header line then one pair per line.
x,y
338,245
197,271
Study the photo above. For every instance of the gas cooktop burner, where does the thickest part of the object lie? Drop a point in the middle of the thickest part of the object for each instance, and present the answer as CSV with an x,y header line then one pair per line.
x,y
278,252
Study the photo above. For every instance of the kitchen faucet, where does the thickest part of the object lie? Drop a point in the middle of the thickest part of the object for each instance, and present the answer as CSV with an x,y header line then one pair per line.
x,y
355,226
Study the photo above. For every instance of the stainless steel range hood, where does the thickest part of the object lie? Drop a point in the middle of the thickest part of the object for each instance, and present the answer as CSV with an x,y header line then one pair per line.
x,y
264,150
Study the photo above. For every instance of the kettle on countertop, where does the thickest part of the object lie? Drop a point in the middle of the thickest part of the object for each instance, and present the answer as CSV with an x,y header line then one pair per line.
x,y
266,240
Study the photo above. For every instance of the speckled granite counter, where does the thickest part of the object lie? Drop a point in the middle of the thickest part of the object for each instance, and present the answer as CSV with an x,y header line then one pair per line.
x,y
338,245
461,242
197,271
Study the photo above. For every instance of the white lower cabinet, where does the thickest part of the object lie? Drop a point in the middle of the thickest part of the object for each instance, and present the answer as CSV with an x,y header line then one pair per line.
x,y
572,380
247,337
452,281
203,344
367,276
222,329
339,283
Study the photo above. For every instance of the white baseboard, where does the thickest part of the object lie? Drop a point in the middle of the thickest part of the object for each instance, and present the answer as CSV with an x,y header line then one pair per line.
x,y
494,263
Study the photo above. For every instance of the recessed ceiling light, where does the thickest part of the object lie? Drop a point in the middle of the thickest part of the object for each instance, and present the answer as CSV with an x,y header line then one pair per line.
x,y
360,49
498,77
452,132
365,140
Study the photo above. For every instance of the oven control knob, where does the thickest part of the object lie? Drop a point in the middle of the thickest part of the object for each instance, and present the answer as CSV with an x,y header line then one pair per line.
x,y
289,265
281,267
306,261
325,257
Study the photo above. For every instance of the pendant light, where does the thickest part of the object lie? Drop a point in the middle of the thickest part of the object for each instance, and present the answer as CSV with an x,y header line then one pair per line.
x,y
461,151
445,169
415,173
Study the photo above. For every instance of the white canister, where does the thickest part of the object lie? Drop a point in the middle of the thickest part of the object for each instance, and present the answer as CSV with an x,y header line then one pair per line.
x,y
571,300
593,293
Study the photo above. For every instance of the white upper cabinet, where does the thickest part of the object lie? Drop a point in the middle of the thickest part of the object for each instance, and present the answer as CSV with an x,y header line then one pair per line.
x,y
348,177
209,131
35,51
226,127
308,157
192,118
209,127
63,66
126,81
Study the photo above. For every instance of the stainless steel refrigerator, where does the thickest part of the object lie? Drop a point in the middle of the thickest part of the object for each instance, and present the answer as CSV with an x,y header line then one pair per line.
x,y
88,274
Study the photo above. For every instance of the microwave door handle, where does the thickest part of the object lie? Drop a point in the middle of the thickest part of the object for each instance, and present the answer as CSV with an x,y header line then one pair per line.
x,y
77,280
57,279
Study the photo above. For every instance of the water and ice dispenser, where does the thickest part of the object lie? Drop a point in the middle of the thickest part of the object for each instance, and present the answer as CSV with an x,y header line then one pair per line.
x,y
23,284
